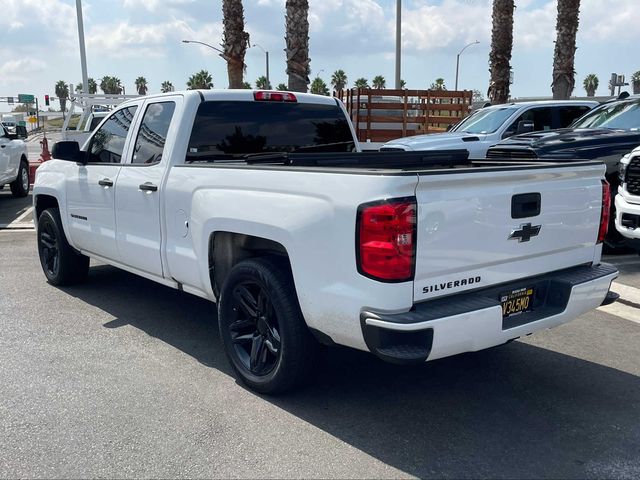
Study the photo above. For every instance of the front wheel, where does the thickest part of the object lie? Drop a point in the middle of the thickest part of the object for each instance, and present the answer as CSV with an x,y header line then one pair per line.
x,y
61,264
20,186
262,328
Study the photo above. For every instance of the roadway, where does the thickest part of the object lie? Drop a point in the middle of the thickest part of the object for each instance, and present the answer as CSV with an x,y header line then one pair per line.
x,y
121,377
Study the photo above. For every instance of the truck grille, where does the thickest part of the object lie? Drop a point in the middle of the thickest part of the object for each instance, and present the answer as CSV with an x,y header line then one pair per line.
x,y
633,176
514,154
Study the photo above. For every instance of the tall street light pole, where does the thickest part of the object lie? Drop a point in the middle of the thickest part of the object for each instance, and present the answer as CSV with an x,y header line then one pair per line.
x,y
206,45
458,60
266,56
398,42
83,53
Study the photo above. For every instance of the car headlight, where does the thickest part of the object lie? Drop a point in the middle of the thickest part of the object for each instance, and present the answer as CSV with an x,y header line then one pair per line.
x,y
622,171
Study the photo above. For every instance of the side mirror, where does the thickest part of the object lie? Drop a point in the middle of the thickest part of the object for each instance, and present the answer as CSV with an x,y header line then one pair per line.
x,y
525,126
68,151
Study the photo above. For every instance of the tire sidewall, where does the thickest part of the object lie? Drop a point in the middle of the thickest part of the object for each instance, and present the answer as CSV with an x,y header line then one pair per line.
x,y
48,218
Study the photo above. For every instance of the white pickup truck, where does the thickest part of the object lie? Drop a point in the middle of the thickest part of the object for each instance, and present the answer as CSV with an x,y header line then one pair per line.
x,y
14,166
262,202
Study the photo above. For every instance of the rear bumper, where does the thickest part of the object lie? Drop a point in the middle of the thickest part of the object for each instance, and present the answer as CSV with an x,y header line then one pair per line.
x,y
473,321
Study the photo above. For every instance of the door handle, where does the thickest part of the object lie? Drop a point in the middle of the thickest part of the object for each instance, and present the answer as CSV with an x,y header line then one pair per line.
x,y
148,187
2,146
106,182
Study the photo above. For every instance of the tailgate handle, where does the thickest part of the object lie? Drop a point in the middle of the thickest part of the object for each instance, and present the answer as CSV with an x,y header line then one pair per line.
x,y
525,205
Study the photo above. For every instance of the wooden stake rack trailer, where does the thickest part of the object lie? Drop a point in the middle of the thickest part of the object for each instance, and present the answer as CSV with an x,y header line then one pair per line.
x,y
380,115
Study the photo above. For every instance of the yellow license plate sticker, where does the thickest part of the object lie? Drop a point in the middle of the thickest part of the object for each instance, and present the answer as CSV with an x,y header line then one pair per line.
x,y
517,301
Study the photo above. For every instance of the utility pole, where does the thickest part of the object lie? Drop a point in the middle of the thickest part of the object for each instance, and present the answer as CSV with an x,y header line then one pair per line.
x,y
458,61
398,42
83,53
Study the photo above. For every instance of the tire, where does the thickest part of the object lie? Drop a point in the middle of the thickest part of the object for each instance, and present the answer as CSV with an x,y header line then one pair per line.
x,y
262,328
20,186
61,264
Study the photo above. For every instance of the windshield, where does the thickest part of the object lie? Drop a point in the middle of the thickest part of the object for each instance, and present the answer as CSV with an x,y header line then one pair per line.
x,y
226,127
618,115
485,120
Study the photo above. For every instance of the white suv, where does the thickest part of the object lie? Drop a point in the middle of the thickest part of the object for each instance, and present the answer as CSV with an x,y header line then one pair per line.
x,y
487,126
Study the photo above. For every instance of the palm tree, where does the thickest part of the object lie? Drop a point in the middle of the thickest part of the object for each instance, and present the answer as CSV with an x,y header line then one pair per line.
x,y
246,86
261,83
565,50
297,51
78,88
590,84
200,80
62,92
403,84
635,81
111,85
501,47
166,87
141,85
93,86
361,83
379,82
438,84
234,41
339,80
282,87
319,87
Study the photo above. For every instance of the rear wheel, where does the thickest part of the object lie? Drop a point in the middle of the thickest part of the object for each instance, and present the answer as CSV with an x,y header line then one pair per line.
x,y
61,264
262,328
20,186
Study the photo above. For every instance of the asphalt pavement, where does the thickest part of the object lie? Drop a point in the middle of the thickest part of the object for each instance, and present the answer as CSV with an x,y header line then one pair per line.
x,y
121,377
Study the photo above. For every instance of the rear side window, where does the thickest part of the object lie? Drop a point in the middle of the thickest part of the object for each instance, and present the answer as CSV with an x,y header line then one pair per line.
x,y
263,127
153,133
567,115
107,144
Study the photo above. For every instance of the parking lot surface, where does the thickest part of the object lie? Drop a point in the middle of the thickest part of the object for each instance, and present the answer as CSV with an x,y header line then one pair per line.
x,y
121,377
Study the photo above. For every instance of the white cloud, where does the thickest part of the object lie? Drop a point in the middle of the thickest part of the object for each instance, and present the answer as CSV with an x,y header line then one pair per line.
x,y
155,5
22,67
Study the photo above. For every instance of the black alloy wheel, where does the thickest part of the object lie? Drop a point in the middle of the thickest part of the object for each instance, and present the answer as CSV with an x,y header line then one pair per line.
x,y
49,250
254,330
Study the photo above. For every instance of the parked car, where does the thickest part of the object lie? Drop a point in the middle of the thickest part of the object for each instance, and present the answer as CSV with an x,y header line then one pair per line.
x,y
489,125
606,134
627,202
14,166
411,256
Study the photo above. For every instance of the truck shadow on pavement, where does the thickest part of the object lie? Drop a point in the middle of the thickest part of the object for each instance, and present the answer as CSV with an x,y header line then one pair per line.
x,y
515,411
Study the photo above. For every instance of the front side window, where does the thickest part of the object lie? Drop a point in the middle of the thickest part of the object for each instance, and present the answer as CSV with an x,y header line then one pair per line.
x,y
570,113
153,133
107,144
239,128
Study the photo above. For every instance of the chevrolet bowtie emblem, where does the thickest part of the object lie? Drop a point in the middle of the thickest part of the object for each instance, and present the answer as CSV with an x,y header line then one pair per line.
x,y
525,233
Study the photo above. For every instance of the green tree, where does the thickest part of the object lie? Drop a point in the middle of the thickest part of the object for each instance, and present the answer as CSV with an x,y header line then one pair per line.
x,y
403,84
339,80
235,41
246,86
282,87
438,84
590,84
379,82
78,88
319,87
361,83
93,86
167,87
501,48
200,81
111,85
297,50
261,83
62,92
141,86
565,49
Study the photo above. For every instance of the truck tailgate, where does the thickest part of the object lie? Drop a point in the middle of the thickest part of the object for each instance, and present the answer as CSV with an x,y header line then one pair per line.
x,y
480,229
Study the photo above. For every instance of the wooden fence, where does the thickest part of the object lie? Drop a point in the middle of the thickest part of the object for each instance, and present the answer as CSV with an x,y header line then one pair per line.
x,y
380,115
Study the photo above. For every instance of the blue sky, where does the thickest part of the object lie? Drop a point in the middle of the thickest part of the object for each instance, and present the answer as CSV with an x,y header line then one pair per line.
x,y
128,38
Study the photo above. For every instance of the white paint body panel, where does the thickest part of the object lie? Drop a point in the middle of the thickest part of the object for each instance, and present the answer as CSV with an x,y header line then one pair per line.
x,y
312,213
627,203
11,152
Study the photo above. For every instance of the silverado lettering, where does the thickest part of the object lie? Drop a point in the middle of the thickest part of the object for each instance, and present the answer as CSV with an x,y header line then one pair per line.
x,y
454,284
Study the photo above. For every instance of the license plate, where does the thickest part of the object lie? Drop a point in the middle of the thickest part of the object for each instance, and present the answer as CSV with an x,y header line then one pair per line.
x,y
516,302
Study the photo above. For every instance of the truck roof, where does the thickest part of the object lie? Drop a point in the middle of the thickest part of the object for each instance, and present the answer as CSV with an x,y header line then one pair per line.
x,y
545,102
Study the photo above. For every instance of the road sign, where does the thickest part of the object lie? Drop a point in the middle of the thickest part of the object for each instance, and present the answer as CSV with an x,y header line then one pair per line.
x,y
24,98
33,120
22,123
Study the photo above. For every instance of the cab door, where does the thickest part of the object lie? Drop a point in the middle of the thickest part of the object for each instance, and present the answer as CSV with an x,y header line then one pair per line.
x,y
140,187
91,187
5,156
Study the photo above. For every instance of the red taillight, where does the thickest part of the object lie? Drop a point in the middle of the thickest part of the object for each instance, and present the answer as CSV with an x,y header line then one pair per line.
x,y
606,211
386,240
263,96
